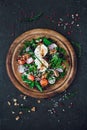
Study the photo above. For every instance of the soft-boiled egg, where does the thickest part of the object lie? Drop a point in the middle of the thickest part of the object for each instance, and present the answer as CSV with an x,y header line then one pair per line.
x,y
42,64
41,50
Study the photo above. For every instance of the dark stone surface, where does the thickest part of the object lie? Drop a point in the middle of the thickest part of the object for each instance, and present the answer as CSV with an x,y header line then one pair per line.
x,y
74,118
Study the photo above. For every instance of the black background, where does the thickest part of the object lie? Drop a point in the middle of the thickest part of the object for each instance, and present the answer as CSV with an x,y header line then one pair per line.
x,y
74,118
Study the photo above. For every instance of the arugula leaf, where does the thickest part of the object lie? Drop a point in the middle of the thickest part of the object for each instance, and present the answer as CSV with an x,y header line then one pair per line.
x,y
62,50
27,43
38,86
62,74
46,41
56,61
31,43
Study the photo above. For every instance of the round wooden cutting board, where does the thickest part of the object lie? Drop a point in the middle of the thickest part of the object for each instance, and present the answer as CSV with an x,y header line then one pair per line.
x,y
15,77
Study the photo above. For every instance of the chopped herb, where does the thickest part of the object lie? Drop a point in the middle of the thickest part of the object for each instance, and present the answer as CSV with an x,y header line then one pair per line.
x,y
36,17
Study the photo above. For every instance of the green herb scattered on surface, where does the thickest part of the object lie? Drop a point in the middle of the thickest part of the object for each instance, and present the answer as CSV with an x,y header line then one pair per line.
x,y
34,18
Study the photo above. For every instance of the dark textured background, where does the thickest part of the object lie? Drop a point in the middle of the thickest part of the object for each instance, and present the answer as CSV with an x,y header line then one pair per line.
x,y
10,27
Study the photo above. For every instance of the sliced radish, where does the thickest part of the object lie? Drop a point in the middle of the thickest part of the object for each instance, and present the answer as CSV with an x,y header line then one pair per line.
x,y
60,70
21,69
27,49
29,60
52,46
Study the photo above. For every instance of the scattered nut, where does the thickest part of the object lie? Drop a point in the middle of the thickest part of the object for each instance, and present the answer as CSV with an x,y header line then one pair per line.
x,y
53,51
64,66
17,118
9,103
13,112
29,111
38,101
24,97
20,112
16,104
25,56
14,100
56,73
33,109
44,76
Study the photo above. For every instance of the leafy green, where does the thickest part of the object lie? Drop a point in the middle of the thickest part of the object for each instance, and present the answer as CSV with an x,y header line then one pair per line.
x,y
63,74
62,50
33,68
24,77
29,82
56,61
38,86
31,43
49,73
36,17
27,43
46,41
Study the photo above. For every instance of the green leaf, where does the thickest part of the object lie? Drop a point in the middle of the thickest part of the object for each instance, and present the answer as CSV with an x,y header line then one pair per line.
x,y
31,85
38,86
62,50
36,17
56,61
46,41
24,77
26,80
62,74
27,43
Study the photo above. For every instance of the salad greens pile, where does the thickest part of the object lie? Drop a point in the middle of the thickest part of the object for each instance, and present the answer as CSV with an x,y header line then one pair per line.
x,y
41,63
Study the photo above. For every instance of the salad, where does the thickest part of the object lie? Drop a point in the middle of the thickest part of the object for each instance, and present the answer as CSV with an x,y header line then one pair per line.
x,y
42,62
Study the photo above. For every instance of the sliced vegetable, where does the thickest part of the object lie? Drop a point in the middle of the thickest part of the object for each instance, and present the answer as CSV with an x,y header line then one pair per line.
x,y
60,70
29,60
44,82
21,69
52,80
31,77
27,49
52,46
21,62
29,82
62,50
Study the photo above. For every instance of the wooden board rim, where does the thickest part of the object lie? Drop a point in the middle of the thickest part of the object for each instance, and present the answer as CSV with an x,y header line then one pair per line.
x,y
19,86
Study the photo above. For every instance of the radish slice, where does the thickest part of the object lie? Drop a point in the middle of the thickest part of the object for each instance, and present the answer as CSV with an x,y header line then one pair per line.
x,y
52,46
29,60
27,49
21,69
59,70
